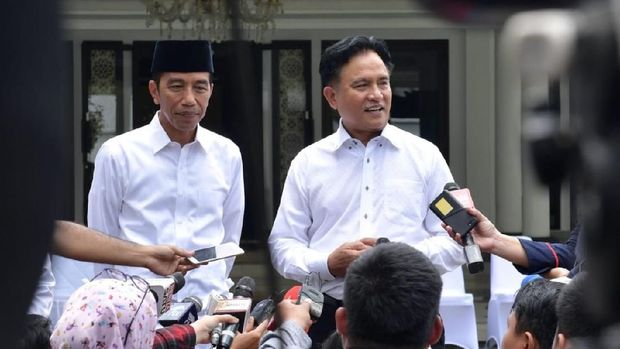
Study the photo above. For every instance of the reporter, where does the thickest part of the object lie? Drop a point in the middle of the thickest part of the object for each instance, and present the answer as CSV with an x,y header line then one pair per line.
x,y
78,242
117,310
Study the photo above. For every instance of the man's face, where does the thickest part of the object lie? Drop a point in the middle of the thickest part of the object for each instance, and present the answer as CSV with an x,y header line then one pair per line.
x,y
513,338
362,95
183,99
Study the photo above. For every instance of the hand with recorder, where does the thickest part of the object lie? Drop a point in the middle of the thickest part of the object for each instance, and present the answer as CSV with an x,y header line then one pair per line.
x,y
451,207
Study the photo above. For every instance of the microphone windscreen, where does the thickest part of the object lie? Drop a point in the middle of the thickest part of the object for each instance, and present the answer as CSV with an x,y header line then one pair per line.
x,y
244,287
195,300
179,281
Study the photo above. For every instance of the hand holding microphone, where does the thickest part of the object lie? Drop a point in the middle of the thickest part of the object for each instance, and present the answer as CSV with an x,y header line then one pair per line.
x,y
450,206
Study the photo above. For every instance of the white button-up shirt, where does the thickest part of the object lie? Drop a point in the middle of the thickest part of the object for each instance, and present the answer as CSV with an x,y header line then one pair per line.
x,y
44,294
337,190
150,190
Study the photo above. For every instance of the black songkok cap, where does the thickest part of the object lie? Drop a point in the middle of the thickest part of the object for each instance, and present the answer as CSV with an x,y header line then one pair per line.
x,y
184,56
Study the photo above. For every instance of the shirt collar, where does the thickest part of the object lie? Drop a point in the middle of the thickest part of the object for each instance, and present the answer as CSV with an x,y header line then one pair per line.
x,y
389,133
161,138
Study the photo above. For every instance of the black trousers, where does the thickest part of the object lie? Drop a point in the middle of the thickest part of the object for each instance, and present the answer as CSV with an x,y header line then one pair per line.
x,y
326,325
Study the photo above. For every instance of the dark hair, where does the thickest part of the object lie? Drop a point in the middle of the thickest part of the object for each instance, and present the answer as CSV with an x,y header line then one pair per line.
x,y
391,296
574,318
334,341
534,310
37,333
339,54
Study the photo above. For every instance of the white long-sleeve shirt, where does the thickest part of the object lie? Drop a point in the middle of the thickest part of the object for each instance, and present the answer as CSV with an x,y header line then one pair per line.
x,y
150,190
337,190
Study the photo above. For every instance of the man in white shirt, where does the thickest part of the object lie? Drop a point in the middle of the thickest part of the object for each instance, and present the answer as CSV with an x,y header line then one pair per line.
x,y
367,180
173,181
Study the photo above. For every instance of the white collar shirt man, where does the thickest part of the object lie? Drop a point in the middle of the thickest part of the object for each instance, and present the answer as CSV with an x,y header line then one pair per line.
x,y
338,190
150,190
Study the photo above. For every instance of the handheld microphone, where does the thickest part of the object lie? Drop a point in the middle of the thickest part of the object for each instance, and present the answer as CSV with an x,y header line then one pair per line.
x,y
163,289
304,293
263,310
228,335
449,206
184,312
239,306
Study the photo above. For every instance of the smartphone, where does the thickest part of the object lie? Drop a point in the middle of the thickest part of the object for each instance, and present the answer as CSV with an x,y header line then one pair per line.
x,y
214,253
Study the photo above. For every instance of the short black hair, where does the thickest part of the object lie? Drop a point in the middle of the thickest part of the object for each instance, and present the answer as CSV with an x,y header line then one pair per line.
x,y
534,310
574,316
339,54
37,333
391,297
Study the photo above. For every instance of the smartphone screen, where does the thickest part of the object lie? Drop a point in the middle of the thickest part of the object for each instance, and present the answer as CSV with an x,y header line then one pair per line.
x,y
205,254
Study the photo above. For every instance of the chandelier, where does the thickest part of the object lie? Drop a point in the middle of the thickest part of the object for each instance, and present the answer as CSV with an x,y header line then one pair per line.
x,y
212,19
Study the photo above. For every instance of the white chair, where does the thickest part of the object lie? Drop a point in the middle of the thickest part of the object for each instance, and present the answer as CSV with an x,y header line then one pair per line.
x,y
505,282
457,311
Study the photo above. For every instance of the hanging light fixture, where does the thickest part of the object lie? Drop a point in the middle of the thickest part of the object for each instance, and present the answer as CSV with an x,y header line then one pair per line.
x,y
212,19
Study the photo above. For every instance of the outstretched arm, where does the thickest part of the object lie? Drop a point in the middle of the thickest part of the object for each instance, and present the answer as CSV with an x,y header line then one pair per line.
x,y
493,241
76,241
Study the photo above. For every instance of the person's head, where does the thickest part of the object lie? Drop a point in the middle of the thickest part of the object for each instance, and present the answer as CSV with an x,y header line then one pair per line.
x,y
574,317
182,84
108,313
532,320
355,74
391,299
37,333
332,342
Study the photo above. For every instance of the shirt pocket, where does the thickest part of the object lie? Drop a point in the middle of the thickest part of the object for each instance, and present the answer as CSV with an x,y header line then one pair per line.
x,y
404,201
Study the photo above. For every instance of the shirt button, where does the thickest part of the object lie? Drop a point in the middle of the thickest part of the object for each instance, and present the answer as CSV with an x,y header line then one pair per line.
x,y
365,216
367,160
349,147
380,144
366,187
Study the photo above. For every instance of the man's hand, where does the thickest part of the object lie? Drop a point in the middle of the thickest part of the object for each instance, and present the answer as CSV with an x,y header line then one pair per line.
x,y
556,273
484,233
300,313
165,259
250,338
339,260
205,325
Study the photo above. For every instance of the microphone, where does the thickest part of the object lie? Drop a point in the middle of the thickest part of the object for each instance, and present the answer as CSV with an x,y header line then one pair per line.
x,y
184,312
304,293
229,332
449,206
163,289
239,307
263,310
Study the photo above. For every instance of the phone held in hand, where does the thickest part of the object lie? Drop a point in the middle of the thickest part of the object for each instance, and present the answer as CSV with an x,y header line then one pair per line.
x,y
214,253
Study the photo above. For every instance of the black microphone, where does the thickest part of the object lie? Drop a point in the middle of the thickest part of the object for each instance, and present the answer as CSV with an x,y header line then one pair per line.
x,y
472,251
163,289
263,310
184,312
382,240
244,288
228,335
239,307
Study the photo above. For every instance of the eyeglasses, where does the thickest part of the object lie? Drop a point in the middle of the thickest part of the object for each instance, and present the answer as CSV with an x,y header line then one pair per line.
x,y
140,283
